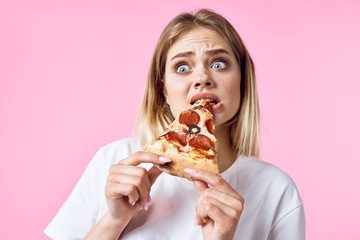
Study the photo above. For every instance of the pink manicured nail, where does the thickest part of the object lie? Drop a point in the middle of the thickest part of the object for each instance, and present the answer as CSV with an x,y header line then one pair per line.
x,y
164,159
147,204
133,204
195,219
190,171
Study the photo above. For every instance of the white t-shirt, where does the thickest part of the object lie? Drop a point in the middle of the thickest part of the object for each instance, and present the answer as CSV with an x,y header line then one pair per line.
x,y
272,210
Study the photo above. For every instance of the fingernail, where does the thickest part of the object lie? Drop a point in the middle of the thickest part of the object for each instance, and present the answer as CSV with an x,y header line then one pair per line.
x,y
190,171
195,219
133,204
164,159
147,204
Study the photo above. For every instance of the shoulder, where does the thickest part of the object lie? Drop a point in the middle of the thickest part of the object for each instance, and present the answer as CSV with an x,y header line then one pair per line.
x,y
273,177
259,170
271,196
252,167
270,172
260,178
287,207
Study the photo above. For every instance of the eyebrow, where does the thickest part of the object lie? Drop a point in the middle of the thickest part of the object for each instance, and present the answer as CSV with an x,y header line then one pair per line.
x,y
209,52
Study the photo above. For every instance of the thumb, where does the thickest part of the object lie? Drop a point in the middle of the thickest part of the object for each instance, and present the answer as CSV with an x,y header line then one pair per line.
x,y
200,185
153,174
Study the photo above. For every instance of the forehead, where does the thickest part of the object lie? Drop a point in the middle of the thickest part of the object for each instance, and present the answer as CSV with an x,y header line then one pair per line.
x,y
200,38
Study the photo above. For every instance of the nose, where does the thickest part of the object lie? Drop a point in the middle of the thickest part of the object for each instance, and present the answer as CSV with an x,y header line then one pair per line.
x,y
203,79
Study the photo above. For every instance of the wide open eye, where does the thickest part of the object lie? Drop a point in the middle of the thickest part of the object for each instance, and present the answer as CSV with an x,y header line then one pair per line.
x,y
219,65
182,69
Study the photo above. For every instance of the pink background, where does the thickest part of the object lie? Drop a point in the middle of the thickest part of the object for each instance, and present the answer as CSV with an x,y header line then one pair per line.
x,y
72,74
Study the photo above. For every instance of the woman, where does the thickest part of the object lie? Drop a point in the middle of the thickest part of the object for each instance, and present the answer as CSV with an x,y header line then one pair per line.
x,y
197,55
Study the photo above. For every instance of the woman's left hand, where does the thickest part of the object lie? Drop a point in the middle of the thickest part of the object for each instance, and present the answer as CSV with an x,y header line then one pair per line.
x,y
218,210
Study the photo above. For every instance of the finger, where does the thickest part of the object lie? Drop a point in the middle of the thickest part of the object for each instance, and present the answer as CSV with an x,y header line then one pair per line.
x,y
207,210
122,169
142,188
153,174
232,207
214,180
116,191
200,185
201,220
133,195
226,199
144,157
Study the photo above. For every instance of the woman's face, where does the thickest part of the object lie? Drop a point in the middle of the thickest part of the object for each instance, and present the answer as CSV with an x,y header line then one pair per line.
x,y
200,64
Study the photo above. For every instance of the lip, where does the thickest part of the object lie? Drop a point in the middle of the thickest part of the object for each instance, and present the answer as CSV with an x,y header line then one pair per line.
x,y
207,96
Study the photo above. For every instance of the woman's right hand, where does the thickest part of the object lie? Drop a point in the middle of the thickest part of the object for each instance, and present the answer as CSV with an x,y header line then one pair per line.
x,y
127,189
128,185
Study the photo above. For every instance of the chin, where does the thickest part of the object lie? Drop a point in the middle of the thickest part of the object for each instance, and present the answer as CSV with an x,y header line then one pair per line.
x,y
221,120
220,123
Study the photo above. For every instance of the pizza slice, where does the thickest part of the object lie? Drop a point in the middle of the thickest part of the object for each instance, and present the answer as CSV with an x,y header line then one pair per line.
x,y
189,142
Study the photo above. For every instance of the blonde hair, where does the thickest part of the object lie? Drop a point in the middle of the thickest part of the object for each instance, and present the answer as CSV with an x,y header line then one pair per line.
x,y
155,115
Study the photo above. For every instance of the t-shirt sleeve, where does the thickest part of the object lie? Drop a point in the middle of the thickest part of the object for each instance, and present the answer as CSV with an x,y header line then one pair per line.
x,y
291,226
79,213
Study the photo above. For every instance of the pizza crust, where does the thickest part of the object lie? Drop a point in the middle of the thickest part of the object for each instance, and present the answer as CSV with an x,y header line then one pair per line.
x,y
180,162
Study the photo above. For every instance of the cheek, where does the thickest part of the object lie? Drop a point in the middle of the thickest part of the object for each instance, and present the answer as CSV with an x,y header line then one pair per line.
x,y
176,96
233,91
233,87
174,92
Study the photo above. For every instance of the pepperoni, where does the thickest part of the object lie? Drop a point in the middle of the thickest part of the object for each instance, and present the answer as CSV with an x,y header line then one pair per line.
x,y
181,136
207,106
200,141
189,117
209,126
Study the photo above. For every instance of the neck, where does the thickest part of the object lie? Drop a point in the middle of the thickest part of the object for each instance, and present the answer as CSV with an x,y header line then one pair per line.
x,y
226,155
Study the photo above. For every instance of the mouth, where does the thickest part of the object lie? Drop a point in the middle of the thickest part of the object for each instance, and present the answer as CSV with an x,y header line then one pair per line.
x,y
214,100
